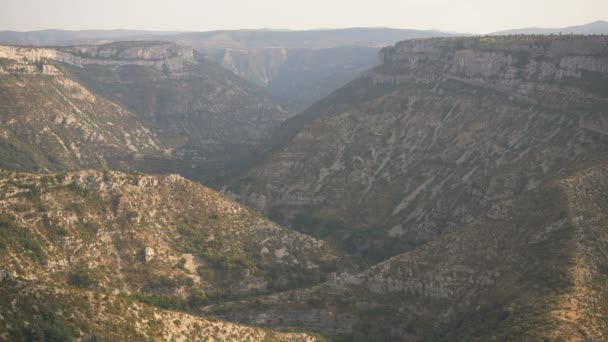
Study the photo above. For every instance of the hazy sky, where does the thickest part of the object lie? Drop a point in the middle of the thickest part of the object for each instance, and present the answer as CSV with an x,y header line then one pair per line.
x,y
475,16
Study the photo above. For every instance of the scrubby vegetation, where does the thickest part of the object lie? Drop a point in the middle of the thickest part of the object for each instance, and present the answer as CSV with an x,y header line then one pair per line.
x,y
22,239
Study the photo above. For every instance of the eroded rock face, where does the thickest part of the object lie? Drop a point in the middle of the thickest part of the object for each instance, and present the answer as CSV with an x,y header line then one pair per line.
x,y
149,106
435,136
161,55
210,121
557,73
133,51
52,121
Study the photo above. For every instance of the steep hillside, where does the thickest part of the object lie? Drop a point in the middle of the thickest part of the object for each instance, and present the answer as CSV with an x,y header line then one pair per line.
x,y
228,38
147,106
434,137
68,37
148,235
73,238
50,121
47,312
531,269
211,120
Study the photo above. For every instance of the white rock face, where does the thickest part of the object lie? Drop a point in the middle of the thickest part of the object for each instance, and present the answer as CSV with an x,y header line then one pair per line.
x,y
160,56
149,254
540,74
174,178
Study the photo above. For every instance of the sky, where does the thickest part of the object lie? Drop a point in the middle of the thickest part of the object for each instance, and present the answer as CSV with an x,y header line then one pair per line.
x,y
466,16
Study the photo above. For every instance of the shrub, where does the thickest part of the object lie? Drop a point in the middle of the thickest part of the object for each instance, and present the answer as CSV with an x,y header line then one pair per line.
x,y
181,264
47,327
83,278
77,188
17,237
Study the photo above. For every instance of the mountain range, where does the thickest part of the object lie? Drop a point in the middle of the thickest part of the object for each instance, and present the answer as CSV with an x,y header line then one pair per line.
x,y
596,27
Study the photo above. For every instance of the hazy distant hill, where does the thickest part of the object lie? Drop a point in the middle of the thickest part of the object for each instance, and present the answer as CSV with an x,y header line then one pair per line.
x,y
597,27
301,39
223,39
299,67
67,37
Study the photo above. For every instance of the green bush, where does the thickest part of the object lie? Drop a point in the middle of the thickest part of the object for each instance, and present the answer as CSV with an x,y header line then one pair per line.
x,y
181,264
77,188
83,278
11,235
47,327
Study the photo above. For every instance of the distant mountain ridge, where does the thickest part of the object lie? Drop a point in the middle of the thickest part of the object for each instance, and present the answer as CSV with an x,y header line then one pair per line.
x,y
317,39
74,37
596,27
321,38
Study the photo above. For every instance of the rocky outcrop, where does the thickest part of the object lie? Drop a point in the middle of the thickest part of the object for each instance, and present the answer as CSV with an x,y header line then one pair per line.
x,y
543,71
162,56
149,254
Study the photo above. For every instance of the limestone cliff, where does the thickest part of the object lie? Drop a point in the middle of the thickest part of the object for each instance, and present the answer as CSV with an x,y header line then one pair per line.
x,y
50,121
211,121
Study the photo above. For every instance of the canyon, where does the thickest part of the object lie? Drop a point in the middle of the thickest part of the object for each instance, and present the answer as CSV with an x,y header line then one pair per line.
x,y
453,189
